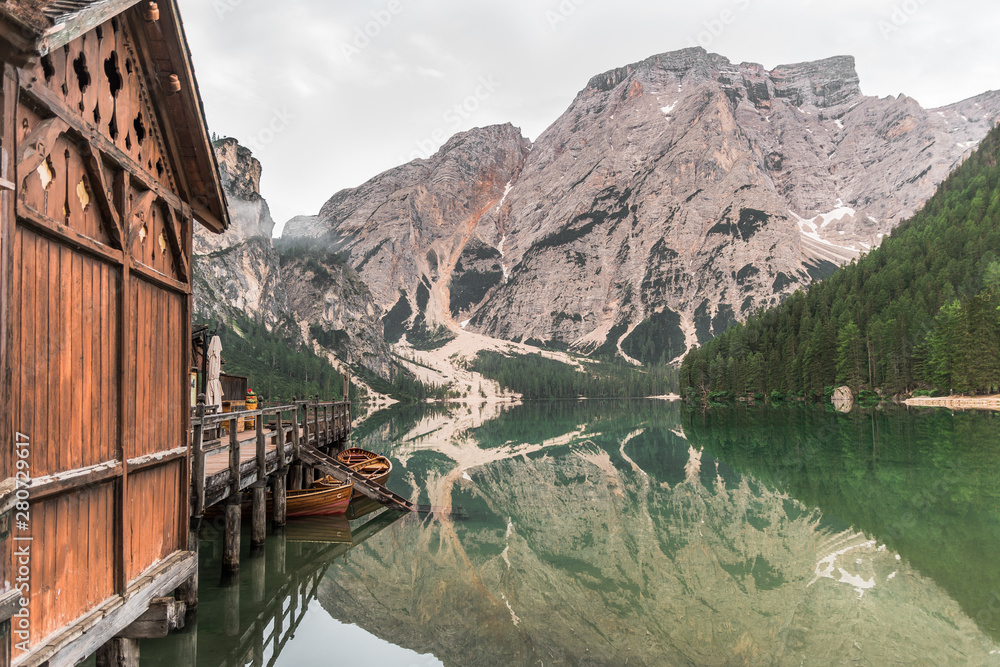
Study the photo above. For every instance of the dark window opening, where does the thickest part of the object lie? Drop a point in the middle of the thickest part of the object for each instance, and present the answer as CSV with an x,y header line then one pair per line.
x,y
140,129
82,73
48,68
114,74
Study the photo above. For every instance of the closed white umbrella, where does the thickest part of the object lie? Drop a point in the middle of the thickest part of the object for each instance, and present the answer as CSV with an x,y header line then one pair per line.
x,y
214,396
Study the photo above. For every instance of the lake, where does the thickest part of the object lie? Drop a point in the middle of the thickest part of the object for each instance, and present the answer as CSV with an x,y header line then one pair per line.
x,y
639,533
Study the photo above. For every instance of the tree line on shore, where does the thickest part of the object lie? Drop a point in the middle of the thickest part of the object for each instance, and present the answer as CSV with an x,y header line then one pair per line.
x,y
917,314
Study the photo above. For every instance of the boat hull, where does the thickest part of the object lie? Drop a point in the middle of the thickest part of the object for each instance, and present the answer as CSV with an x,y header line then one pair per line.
x,y
373,466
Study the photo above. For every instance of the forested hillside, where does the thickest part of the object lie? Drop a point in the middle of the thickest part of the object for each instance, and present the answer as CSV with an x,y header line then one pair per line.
x,y
918,313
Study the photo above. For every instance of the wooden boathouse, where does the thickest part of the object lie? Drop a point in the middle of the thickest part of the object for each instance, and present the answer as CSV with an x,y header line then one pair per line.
x,y
106,469
105,167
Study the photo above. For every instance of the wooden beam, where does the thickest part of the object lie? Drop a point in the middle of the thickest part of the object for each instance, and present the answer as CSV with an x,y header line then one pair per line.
x,y
68,235
8,220
137,216
160,280
126,359
73,24
75,642
37,146
78,126
10,603
118,652
156,459
163,617
174,237
93,160
74,480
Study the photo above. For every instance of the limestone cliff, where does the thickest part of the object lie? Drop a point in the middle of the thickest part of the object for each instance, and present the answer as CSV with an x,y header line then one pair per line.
x,y
674,196
241,273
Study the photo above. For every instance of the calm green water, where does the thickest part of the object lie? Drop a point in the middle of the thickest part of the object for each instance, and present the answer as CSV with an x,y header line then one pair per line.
x,y
640,534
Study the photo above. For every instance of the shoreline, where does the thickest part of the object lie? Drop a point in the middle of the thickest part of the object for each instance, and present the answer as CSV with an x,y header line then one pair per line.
x,y
956,402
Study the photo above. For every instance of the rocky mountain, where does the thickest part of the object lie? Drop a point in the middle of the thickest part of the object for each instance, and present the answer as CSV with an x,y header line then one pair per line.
x,y
674,196
241,273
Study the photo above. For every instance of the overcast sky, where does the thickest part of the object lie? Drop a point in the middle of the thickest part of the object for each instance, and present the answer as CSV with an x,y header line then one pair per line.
x,y
332,92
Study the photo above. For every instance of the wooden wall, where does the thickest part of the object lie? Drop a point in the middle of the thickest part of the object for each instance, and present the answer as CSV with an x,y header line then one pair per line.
x,y
66,393
99,316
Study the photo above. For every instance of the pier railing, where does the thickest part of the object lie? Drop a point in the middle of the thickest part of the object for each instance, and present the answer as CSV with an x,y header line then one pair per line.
x,y
286,428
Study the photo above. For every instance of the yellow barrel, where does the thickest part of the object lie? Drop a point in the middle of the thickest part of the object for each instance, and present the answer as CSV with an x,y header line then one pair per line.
x,y
251,422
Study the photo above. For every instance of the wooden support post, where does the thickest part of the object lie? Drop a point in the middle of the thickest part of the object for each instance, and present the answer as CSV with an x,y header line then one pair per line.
x,y
326,426
307,477
234,458
296,445
316,423
231,540
262,450
163,617
258,532
296,476
119,652
188,591
279,507
198,457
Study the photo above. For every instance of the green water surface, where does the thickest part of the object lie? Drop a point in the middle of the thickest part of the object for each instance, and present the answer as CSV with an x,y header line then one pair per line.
x,y
637,533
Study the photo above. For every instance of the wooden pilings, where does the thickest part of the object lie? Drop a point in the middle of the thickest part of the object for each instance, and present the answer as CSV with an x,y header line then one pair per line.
x,y
119,652
274,461
231,539
258,524
279,506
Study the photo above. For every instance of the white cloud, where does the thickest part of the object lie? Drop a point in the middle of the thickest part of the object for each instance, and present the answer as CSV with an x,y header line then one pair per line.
x,y
355,117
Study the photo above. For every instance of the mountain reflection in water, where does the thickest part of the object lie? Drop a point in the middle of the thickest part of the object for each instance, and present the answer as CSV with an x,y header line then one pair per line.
x,y
601,533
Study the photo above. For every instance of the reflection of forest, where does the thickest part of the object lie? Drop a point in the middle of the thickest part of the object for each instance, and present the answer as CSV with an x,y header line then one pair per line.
x,y
926,483
627,541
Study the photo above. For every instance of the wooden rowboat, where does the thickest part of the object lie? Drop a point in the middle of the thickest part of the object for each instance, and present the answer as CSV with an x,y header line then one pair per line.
x,y
373,466
355,455
321,500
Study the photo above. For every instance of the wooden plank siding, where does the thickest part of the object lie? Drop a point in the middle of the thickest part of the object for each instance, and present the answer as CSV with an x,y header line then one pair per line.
x,y
58,331
95,321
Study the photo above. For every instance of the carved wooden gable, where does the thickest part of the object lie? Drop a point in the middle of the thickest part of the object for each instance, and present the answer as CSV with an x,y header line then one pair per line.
x,y
69,176
100,77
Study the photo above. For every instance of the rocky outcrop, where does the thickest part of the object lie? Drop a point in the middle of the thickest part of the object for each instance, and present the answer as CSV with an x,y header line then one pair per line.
x,y
334,308
417,232
674,196
240,273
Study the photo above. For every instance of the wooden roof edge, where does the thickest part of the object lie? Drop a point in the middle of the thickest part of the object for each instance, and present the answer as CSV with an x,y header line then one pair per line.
x,y
218,206
34,31
210,207
27,36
